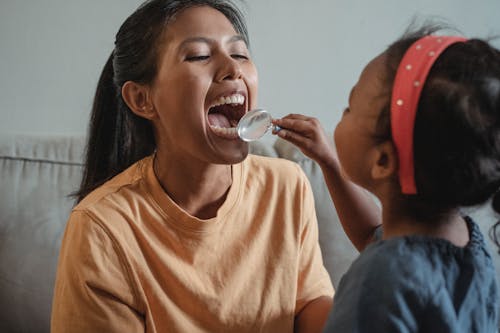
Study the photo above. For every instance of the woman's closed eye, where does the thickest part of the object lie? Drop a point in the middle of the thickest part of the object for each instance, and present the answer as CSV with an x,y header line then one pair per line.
x,y
197,58
205,57
239,56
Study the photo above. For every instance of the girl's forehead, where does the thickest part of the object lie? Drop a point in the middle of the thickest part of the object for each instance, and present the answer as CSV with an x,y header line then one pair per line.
x,y
371,88
374,72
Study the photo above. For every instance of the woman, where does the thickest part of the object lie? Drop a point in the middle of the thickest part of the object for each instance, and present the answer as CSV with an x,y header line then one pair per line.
x,y
177,229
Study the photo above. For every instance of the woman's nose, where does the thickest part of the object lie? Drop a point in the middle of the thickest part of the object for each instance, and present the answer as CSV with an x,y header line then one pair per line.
x,y
230,69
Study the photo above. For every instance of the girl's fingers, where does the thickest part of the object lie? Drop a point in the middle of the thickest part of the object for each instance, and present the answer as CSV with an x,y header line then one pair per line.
x,y
293,124
293,137
301,124
296,116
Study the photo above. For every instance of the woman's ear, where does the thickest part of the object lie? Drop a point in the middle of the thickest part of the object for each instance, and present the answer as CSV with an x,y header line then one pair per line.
x,y
385,161
137,98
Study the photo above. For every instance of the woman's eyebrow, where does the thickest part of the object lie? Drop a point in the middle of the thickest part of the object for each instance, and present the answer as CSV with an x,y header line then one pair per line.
x,y
207,40
237,38
191,40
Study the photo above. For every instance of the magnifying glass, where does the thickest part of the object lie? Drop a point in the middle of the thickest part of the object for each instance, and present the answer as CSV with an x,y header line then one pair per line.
x,y
254,124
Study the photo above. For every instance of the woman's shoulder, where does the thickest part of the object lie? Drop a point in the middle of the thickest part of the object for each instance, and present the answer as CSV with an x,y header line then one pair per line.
x,y
274,170
273,165
269,161
114,187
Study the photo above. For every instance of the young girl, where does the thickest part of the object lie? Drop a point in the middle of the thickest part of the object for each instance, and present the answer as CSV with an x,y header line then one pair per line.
x,y
177,229
422,133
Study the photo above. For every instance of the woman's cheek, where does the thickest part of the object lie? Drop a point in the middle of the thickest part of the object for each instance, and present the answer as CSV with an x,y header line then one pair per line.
x,y
252,82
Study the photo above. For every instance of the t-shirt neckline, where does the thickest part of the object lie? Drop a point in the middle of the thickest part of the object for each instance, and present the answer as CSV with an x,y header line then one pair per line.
x,y
177,216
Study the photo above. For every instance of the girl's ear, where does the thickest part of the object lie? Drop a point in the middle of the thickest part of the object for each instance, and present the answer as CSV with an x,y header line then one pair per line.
x,y
385,163
137,98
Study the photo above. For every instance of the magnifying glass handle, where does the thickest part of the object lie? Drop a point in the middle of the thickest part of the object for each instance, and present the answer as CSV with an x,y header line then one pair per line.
x,y
275,128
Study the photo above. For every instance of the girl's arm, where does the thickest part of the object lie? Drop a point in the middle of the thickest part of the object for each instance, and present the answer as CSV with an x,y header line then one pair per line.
x,y
358,212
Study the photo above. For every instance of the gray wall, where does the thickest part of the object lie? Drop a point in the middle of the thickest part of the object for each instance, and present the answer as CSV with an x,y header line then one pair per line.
x,y
309,53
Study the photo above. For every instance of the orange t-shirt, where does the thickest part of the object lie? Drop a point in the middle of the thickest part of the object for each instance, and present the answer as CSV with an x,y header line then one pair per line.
x,y
131,260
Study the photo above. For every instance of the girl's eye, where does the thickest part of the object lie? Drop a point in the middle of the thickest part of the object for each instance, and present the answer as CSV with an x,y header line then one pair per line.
x,y
239,56
346,110
197,58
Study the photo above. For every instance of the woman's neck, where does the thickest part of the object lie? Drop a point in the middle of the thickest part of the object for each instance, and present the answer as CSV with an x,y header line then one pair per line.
x,y
198,188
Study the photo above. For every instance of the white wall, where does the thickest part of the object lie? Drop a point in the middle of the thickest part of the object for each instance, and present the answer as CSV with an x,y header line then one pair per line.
x,y
51,55
309,53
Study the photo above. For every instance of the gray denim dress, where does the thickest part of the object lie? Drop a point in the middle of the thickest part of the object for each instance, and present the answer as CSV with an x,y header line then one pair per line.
x,y
418,284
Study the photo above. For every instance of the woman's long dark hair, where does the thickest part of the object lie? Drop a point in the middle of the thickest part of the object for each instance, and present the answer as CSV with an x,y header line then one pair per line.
x,y
117,137
457,127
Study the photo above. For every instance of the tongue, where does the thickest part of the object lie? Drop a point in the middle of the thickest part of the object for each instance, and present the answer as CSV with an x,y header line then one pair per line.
x,y
218,119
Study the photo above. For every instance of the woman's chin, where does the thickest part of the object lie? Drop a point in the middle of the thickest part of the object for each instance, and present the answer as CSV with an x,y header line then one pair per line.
x,y
235,156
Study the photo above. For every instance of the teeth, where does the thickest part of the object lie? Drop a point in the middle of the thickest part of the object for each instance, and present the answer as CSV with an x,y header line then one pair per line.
x,y
233,99
228,133
232,132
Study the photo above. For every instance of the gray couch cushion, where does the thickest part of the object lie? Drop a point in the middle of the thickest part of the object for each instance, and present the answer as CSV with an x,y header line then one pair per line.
x,y
338,251
36,177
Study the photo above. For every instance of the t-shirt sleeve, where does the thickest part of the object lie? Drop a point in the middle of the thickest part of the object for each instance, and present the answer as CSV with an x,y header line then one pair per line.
x,y
93,290
313,279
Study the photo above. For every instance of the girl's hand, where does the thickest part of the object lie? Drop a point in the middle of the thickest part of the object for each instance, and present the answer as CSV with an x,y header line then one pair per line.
x,y
358,213
307,134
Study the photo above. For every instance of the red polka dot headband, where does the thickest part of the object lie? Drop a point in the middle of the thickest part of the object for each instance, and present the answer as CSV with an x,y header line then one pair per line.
x,y
410,78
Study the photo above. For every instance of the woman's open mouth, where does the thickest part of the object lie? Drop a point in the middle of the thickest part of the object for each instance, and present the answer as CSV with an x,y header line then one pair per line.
x,y
224,115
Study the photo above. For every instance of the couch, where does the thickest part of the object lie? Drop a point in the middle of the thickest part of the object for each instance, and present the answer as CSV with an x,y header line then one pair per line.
x,y
37,175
